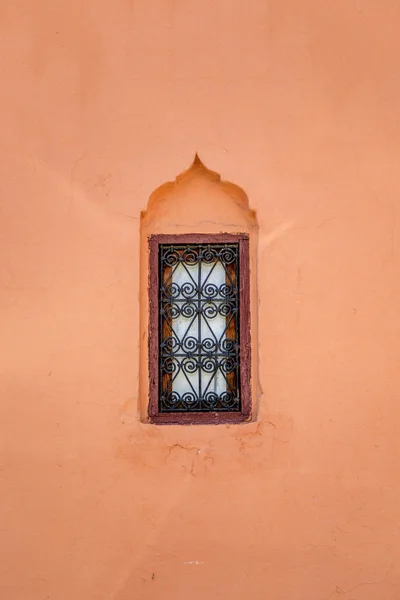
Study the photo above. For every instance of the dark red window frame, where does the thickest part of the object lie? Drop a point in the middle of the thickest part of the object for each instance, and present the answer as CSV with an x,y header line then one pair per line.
x,y
193,418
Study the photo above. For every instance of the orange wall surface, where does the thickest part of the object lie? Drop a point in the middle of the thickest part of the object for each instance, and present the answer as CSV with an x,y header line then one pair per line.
x,y
297,102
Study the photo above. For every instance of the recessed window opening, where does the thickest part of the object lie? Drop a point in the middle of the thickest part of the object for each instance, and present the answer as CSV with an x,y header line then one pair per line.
x,y
199,333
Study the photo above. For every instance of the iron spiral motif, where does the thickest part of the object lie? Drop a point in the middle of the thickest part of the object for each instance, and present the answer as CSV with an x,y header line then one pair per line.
x,y
199,328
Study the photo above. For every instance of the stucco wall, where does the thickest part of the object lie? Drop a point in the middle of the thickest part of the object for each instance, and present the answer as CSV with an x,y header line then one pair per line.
x,y
298,103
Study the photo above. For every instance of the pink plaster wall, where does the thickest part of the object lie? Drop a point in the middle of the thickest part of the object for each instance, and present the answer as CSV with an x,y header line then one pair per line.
x,y
298,103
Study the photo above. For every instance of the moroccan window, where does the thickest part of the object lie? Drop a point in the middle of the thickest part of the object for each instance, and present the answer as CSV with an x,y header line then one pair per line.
x,y
199,347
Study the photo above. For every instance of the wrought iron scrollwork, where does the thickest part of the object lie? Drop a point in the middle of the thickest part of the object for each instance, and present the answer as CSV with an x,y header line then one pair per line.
x,y
199,328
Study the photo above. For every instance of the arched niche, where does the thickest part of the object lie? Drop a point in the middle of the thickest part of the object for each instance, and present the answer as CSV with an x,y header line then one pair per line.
x,y
196,202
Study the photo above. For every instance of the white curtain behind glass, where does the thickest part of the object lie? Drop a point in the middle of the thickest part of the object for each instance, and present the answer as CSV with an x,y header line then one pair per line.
x,y
199,329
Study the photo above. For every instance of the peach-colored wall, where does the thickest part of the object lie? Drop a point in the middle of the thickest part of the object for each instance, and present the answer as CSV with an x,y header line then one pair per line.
x,y
298,103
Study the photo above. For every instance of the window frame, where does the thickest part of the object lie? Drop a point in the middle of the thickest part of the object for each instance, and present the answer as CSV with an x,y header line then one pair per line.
x,y
193,418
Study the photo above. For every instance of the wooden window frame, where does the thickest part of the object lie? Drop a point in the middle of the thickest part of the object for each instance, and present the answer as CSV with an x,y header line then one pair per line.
x,y
193,418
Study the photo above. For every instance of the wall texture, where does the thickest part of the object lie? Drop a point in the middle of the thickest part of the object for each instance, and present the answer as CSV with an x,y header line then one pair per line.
x,y
298,103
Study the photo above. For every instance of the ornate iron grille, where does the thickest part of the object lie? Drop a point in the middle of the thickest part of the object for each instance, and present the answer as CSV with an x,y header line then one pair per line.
x,y
199,328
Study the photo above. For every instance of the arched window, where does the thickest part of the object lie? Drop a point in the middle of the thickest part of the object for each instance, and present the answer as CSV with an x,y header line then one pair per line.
x,y
198,302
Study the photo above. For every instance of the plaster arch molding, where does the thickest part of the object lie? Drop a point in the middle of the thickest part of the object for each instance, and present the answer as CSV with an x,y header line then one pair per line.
x,y
198,201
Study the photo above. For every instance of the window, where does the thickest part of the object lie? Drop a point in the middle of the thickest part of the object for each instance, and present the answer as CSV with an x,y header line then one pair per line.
x,y
199,346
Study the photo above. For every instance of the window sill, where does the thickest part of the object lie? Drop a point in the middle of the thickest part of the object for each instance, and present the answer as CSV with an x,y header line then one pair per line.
x,y
209,418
